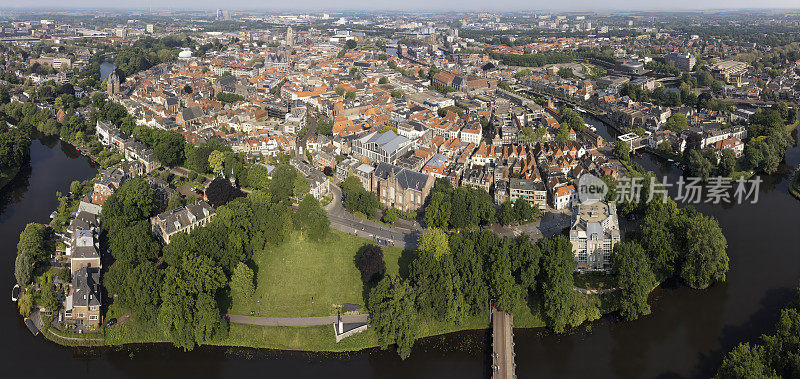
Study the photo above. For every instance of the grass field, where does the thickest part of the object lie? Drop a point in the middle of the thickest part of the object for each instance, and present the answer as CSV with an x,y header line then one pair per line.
x,y
303,278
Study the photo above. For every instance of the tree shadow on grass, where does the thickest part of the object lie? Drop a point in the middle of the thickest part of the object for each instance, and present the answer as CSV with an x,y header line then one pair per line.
x,y
404,263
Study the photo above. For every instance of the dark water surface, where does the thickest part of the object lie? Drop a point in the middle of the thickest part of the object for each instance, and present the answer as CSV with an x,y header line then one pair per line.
x,y
685,336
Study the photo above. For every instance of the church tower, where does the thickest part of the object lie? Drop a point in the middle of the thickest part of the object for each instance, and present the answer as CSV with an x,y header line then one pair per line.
x,y
112,84
289,37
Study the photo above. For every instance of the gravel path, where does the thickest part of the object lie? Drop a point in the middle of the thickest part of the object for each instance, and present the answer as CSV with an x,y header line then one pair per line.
x,y
296,321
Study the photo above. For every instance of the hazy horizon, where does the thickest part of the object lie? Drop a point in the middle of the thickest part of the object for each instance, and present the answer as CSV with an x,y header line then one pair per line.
x,y
408,5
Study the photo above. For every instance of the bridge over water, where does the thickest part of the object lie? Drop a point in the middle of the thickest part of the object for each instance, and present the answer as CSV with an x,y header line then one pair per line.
x,y
503,366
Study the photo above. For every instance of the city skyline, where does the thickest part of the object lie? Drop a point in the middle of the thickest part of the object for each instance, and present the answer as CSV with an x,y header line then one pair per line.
x,y
413,5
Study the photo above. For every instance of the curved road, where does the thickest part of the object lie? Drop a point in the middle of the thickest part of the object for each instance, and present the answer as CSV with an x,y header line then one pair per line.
x,y
342,220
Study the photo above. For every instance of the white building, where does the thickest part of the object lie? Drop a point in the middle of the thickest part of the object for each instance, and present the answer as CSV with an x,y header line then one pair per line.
x,y
593,234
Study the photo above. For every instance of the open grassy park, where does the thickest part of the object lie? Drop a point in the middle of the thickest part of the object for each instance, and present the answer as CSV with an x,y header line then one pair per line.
x,y
303,278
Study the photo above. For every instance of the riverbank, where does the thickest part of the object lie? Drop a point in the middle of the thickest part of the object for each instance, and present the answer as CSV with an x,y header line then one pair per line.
x,y
794,184
6,176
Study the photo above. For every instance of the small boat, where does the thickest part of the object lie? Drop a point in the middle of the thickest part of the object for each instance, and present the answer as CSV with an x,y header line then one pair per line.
x,y
15,293
53,215
670,160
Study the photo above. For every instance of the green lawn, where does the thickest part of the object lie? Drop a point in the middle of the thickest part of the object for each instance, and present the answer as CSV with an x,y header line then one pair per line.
x,y
303,278
593,280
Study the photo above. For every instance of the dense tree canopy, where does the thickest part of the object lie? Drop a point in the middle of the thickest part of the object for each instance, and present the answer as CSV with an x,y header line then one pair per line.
x,y
634,279
393,315
369,261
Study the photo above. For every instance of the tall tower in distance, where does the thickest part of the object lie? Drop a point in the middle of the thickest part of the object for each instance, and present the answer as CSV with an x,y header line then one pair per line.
x,y
112,84
289,37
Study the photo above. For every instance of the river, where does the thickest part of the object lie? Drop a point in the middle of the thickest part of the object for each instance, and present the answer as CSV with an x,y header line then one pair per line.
x,y
105,70
685,336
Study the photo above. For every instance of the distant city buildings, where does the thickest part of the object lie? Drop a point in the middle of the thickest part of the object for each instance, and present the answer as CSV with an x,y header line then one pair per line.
x,y
683,61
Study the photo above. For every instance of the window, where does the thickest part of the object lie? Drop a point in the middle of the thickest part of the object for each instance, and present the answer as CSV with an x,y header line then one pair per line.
x,y
81,315
92,317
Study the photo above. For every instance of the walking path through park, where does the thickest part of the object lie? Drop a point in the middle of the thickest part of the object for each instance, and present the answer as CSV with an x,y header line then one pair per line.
x,y
594,292
296,321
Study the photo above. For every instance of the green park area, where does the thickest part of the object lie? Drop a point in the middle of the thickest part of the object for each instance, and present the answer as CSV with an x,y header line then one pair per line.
x,y
303,278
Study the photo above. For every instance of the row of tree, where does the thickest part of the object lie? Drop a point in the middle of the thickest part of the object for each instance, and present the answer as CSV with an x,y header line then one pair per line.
x,y
450,208
454,277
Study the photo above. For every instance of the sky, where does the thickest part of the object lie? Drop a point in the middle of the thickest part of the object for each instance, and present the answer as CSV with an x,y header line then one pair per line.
x,y
322,5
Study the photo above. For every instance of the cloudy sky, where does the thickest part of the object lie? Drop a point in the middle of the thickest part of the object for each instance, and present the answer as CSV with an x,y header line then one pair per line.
x,y
322,5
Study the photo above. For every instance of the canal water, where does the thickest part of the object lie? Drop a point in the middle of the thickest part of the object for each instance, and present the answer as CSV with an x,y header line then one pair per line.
x,y
106,68
685,336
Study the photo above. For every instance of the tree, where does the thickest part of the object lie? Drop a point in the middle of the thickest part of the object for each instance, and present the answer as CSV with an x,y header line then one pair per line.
x,y
392,314
369,261
658,238
301,187
258,176
133,201
34,241
242,283
23,269
621,151
390,217
634,279
50,127
727,163
220,192
175,201
563,133
434,241
558,298
746,362
351,44
437,212
75,187
137,287
502,285
134,243
356,199
383,80
228,98
189,314
698,165
25,303
706,259
506,215
169,148
677,122
49,295
312,219
217,161
523,211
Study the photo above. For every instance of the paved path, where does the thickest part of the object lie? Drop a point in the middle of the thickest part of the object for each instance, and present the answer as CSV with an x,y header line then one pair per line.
x,y
50,332
587,291
343,221
296,321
